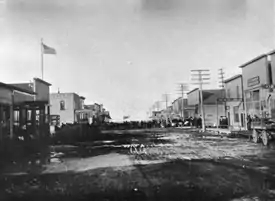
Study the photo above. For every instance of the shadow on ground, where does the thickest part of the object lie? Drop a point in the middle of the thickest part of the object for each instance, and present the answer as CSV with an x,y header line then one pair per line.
x,y
175,180
105,144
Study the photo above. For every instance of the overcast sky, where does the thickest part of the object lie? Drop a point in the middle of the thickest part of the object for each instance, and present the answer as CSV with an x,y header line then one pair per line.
x,y
127,53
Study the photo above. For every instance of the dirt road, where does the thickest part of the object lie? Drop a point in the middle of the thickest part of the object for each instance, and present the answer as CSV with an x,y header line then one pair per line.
x,y
175,165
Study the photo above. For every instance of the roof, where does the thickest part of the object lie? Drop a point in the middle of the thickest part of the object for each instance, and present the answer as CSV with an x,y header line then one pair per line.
x,y
178,99
25,86
16,88
64,93
271,52
253,60
44,82
192,90
232,78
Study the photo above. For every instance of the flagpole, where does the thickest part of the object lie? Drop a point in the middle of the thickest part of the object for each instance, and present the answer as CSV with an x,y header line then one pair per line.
x,y
42,59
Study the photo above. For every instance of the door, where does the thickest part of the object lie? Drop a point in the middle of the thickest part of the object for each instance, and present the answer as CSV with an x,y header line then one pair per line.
x,y
242,119
228,117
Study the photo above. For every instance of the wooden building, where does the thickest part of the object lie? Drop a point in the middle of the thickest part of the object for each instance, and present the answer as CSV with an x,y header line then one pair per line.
x,y
24,109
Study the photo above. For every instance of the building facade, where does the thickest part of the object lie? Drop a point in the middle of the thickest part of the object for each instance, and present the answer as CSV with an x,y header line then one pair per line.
x,y
234,101
65,105
24,105
180,107
258,75
213,110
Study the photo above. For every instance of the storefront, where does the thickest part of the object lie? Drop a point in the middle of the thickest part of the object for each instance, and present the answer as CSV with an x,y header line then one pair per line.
x,y
7,108
24,107
258,92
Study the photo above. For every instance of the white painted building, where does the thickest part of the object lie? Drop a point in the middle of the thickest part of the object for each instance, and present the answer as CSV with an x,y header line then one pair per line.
x,y
212,110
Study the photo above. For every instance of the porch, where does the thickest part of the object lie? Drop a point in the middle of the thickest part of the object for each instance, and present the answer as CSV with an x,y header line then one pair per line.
x,y
27,119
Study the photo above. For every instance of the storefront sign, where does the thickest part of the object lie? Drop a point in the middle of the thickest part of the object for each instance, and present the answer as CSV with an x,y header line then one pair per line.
x,y
253,81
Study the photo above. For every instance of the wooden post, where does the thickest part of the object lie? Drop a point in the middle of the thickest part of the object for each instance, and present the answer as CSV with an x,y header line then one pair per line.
x,y
20,116
217,105
1,122
11,121
33,121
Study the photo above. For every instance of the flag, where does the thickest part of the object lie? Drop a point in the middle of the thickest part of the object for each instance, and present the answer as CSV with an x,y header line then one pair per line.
x,y
48,50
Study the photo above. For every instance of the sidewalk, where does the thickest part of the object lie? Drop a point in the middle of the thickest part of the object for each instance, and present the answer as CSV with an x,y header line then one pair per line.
x,y
227,131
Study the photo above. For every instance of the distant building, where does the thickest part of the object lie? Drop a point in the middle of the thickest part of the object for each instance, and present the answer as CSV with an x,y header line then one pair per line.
x,y
180,107
94,112
65,105
156,115
212,110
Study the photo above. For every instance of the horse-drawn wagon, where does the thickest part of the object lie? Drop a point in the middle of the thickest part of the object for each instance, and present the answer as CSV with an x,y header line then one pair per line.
x,y
263,130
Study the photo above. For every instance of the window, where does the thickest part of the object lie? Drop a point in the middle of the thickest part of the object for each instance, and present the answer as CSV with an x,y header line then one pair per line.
x,y
236,114
256,95
62,105
29,115
238,92
16,117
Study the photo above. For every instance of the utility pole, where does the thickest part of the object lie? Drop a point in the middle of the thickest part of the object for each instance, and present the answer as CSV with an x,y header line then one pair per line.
x,y
157,106
200,76
166,100
221,78
166,105
183,90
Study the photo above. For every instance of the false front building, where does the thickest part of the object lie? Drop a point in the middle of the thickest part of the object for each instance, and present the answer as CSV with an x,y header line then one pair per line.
x,y
213,109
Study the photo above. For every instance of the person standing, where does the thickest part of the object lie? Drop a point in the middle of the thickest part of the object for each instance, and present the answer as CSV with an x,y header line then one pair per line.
x,y
249,120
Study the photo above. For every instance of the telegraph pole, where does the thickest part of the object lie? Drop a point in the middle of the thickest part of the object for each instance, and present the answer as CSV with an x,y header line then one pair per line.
x,y
221,78
183,90
157,107
200,76
166,100
166,105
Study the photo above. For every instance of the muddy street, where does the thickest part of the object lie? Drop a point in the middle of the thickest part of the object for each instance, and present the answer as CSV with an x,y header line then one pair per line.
x,y
171,164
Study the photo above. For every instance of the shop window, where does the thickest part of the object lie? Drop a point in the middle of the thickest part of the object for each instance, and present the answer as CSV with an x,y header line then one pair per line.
x,y
37,117
29,115
256,95
236,114
16,117
62,105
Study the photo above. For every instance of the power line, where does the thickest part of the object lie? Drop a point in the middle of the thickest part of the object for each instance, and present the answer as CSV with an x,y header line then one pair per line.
x,y
201,76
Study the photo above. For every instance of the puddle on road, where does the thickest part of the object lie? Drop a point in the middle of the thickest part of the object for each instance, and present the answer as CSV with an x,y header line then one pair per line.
x,y
85,164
